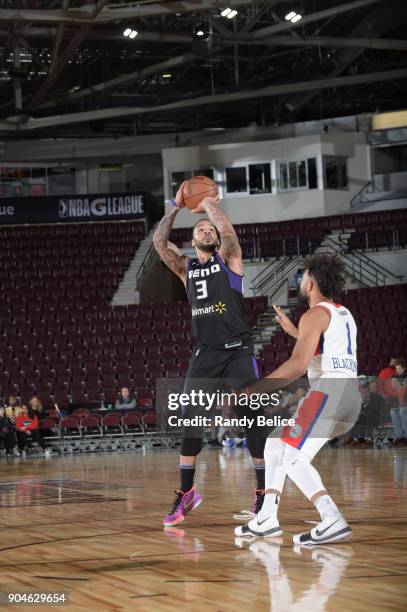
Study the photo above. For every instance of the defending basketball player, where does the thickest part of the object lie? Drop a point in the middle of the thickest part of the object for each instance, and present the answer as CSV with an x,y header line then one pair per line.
x,y
326,349
224,351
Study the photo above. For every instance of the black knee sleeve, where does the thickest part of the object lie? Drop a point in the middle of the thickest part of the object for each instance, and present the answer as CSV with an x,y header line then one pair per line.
x,y
190,447
256,440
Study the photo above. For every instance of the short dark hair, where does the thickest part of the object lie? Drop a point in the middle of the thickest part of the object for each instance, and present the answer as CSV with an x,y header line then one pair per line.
x,y
214,226
328,272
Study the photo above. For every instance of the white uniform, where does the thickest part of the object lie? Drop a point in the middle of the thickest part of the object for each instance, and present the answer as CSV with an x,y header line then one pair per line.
x,y
332,405
336,354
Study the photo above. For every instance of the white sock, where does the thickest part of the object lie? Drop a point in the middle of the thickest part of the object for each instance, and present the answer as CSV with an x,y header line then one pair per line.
x,y
270,504
326,506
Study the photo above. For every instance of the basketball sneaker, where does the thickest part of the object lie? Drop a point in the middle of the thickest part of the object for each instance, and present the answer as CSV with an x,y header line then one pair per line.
x,y
258,500
183,503
331,529
265,526
246,515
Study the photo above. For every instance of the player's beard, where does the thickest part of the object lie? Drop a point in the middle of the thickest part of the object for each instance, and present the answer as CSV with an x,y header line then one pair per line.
x,y
303,298
209,247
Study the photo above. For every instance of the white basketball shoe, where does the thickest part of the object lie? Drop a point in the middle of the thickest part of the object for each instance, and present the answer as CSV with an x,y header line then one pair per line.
x,y
260,525
330,529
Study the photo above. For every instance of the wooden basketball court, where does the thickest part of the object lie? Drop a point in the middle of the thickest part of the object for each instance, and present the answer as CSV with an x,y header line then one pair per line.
x,y
90,526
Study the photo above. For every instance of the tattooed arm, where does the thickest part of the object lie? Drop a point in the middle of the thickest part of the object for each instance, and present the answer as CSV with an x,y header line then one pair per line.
x,y
168,251
230,250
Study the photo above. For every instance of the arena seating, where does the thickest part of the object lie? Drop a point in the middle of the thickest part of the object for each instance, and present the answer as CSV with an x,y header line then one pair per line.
x,y
59,336
82,351
374,230
380,315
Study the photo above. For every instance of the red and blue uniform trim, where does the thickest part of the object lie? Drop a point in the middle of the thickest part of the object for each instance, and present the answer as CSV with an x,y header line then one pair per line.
x,y
308,415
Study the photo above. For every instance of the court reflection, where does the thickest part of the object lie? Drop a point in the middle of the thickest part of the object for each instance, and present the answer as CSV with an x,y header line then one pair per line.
x,y
188,545
299,578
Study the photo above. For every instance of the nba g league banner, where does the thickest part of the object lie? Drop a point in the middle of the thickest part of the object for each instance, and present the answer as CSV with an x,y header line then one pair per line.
x,y
62,209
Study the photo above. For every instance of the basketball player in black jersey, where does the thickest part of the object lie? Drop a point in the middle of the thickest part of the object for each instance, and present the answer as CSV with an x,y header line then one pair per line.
x,y
224,353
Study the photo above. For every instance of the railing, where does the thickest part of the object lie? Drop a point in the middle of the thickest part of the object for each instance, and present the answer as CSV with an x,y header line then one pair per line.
x,y
359,193
145,266
361,267
257,280
269,280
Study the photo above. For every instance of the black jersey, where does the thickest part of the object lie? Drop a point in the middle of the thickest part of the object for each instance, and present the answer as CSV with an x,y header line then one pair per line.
x,y
216,297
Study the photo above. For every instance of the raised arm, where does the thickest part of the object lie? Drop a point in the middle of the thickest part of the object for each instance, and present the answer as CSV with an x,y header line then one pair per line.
x,y
168,251
312,324
230,250
286,323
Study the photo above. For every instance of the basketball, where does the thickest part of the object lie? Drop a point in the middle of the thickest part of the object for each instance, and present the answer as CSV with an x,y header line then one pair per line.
x,y
196,189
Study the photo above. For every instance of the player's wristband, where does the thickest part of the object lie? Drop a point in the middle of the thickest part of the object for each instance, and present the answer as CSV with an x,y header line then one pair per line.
x,y
173,203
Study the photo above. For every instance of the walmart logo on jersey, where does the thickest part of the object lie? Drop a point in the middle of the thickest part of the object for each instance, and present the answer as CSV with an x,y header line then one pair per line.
x,y
218,308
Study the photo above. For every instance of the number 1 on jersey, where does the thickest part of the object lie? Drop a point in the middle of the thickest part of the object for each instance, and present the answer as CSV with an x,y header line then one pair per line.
x,y
349,339
201,290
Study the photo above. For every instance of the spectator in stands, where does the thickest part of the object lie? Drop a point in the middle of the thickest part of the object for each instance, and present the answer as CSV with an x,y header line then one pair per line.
x,y
374,385
125,401
27,427
370,415
7,436
401,371
398,414
36,404
384,377
14,408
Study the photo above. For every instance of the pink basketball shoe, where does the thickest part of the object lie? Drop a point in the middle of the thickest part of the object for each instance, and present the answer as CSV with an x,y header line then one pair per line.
x,y
183,503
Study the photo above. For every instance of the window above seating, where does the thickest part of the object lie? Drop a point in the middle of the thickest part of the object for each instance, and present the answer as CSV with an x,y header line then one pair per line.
x,y
335,172
297,174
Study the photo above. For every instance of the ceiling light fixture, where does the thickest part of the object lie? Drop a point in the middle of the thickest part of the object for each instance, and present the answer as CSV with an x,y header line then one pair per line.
x,y
133,34
200,33
293,17
226,12
127,32
231,14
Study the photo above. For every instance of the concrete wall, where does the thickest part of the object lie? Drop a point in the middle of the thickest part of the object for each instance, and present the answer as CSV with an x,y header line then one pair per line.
x,y
295,204
393,181
162,285
394,261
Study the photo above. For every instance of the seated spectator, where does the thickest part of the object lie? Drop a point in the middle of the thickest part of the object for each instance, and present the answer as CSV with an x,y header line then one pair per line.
x,y
401,371
14,408
7,435
36,405
384,377
370,415
125,401
374,385
398,412
27,427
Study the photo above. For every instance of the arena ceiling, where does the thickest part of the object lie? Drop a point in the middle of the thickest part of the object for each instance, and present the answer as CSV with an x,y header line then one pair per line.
x,y
67,70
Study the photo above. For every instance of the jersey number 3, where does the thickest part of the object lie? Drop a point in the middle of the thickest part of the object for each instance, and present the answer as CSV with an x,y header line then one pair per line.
x,y
201,290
